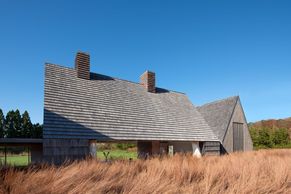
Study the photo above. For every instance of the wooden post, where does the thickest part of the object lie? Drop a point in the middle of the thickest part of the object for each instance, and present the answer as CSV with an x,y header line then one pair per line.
x,y
29,155
171,150
5,155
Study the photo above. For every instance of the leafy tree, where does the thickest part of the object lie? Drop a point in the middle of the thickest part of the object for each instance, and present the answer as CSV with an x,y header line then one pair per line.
x,y
265,138
2,124
280,137
27,127
254,135
125,146
268,138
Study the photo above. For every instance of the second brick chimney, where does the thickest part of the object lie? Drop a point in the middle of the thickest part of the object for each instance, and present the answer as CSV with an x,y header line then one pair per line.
x,y
82,65
148,80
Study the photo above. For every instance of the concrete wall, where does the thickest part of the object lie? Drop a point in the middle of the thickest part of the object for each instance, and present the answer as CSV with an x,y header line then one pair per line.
x,y
58,151
187,147
239,117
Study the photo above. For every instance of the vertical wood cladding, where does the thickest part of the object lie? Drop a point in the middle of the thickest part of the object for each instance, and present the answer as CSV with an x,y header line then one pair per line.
x,y
57,151
155,147
148,80
36,153
144,149
238,144
229,141
82,65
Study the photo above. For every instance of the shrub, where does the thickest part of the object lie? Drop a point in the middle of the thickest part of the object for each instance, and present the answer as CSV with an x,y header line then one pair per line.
x,y
269,138
280,137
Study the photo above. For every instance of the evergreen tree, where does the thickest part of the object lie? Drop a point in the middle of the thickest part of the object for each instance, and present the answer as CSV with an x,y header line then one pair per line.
x,y
36,131
2,124
9,124
18,126
13,124
26,125
17,123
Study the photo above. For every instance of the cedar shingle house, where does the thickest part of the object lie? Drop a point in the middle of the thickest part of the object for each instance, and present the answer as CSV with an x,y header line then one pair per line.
x,y
82,108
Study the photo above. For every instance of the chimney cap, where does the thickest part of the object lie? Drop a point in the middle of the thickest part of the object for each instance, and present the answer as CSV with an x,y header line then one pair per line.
x,y
148,72
82,52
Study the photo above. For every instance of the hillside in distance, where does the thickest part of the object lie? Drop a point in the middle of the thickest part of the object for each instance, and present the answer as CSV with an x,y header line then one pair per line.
x,y
273,124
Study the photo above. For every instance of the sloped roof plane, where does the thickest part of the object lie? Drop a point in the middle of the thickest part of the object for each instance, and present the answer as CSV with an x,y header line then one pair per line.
x,y
106,108
218,114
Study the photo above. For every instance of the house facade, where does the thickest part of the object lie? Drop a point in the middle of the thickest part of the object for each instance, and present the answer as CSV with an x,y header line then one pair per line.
x,y
227,119
82,108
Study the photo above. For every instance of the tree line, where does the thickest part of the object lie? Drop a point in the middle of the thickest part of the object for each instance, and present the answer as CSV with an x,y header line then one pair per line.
x,y
270,138
16,125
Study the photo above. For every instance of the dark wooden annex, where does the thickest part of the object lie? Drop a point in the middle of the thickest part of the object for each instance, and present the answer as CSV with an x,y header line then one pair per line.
x,y
34,147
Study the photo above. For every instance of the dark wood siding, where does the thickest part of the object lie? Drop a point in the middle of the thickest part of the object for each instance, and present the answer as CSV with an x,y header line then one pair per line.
x,y
57,151
211,148
238,137
237,117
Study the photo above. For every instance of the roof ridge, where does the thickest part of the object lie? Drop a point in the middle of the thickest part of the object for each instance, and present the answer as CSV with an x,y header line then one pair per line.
x,y
117,110
232,112
218,101
116,78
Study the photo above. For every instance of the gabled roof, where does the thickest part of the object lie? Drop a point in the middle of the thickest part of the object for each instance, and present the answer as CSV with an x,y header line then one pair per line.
x,y
218,114
105,108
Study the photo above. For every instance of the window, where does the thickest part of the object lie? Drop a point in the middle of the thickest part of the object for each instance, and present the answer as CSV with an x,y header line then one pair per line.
x,y
238,137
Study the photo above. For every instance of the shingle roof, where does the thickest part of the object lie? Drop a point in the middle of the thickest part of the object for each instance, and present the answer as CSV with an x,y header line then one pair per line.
x,y
218,114
105,108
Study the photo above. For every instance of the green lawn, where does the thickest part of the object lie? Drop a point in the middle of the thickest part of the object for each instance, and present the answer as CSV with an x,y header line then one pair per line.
x,y
15,160
22,160
117,154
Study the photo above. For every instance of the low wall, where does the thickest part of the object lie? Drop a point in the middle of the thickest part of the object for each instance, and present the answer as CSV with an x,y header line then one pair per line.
x,y
36,152
57,151
211,148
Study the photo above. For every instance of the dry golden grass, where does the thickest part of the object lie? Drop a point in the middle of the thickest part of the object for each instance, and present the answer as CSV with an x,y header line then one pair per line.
x,y
265,171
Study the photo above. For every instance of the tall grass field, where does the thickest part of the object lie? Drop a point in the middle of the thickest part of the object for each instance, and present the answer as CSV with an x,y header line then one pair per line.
x,y
263,171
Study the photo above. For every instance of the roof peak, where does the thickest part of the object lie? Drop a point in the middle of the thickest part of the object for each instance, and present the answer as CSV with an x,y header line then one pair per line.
x,y
116,78
220,100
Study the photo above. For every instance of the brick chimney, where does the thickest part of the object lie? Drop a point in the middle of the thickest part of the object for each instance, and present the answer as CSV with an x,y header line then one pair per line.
x,y
148,80
82,65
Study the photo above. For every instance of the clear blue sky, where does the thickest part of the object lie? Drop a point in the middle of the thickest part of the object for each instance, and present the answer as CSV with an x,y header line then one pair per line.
x,y
207,49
